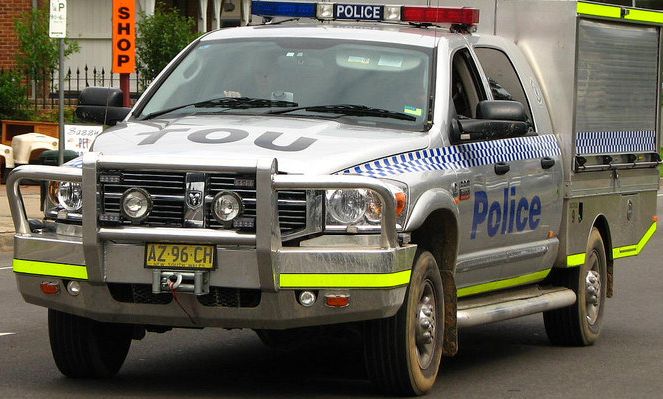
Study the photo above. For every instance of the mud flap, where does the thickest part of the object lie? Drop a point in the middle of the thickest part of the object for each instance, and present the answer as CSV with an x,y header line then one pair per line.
x,y
450,347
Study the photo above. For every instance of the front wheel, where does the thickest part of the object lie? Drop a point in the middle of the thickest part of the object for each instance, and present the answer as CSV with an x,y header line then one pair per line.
x,y
580,324
403,352
84,348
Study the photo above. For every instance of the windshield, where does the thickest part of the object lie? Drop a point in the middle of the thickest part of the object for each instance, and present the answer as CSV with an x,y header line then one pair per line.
x,y
356,82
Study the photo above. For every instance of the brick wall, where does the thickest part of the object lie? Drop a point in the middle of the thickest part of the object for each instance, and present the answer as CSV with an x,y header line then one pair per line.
x,y
9,11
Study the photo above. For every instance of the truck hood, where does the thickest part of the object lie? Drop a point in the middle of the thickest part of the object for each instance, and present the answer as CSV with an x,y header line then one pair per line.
x,y
301,146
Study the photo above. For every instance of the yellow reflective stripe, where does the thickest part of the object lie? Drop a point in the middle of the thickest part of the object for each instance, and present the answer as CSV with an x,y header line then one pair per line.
x,y
352,280
644,16
508,283
598,10
633,250
575,260
50,269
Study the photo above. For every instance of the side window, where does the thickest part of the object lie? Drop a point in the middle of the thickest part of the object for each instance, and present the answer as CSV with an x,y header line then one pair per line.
x,y
466,88
502,77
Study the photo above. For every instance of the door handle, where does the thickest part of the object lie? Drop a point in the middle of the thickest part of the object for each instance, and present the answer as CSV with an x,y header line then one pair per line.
x,y
547,162
501,168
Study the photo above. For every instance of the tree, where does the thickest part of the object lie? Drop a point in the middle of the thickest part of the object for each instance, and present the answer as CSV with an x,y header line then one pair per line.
x,y
38,53
160,38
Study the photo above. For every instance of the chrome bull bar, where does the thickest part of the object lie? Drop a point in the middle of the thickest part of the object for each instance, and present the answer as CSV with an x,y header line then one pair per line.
x,y
267,239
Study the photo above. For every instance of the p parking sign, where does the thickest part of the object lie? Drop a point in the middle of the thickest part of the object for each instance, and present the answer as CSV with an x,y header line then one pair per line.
x,y
124,36
57,23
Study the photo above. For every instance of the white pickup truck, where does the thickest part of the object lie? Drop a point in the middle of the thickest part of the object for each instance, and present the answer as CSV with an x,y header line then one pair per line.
x,y
405,170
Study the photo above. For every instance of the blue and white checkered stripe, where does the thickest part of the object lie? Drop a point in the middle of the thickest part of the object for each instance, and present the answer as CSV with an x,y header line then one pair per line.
x,y
460,156
617,142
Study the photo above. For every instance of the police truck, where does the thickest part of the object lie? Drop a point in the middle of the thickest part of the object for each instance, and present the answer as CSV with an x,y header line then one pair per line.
x,y
403,170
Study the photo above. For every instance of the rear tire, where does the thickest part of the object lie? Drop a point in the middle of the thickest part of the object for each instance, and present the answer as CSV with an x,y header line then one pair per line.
x,y
84,348
403,353
580,324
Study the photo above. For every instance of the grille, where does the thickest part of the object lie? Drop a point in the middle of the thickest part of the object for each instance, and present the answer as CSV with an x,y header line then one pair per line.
x,y
291,204
167,190
230,298
138,293
218,296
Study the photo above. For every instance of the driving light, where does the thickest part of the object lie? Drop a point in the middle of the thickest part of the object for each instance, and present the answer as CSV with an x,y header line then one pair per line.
x,y
136,204
226,206
306,298
70,196
347,206
74,288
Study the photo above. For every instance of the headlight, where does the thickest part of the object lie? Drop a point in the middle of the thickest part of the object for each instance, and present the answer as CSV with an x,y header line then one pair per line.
x,y
226,206
136,204
346,206
361,208
69,195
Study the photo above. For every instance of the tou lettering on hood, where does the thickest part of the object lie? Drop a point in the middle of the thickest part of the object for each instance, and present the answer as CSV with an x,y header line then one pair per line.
x,y
505,216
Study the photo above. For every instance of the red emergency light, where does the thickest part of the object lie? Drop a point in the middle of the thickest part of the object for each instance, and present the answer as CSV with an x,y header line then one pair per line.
x,y
449,15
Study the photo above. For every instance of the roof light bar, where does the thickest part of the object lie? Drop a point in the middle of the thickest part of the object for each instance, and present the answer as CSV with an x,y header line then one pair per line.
x,y
454,15
366,12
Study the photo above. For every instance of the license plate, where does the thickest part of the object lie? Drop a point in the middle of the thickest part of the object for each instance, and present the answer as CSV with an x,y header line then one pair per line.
x,y
179,256
365,12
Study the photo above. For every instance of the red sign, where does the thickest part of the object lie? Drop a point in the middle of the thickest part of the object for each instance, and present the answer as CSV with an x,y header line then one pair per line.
x,y
124,36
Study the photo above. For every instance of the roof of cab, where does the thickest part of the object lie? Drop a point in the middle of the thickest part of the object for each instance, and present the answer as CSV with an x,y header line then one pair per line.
x,y
375,32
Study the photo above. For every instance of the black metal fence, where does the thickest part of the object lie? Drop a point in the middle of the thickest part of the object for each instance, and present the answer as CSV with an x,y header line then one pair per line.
x,y
42,90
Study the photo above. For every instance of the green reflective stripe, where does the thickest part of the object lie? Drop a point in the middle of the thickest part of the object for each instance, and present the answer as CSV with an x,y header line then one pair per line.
x,y
633,250
644,16
50,269
598,10
508,283
575,260
359,280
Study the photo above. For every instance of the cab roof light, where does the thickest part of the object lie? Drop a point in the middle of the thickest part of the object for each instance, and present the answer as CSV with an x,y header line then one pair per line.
x,y
283,9
453,15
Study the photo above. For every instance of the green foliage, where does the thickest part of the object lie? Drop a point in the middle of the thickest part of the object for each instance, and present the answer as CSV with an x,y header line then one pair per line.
x,y
39,54
13,101
160,38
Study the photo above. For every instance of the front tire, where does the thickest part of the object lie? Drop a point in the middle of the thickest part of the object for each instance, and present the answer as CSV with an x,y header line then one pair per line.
x,y
403,353
84,348
580,324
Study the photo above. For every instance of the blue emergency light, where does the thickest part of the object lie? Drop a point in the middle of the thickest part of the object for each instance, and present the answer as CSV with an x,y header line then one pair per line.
x,y
283,9
366,12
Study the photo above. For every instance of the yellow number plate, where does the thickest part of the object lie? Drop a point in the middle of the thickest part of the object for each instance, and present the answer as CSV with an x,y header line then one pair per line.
x,y
180,256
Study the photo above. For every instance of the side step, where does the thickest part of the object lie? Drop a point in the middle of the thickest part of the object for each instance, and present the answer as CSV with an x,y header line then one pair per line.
x,y
511,304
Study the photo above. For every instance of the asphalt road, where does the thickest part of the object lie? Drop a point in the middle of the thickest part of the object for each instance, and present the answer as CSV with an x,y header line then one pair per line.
x,y
509,359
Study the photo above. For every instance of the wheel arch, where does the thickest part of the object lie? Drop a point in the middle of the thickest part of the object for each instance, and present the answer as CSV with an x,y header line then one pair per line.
x,y
602,225
439,234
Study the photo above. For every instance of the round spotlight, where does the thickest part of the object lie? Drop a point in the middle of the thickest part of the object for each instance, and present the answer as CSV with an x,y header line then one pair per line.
x,y
226,206
70,196
306,298
74,288
136,204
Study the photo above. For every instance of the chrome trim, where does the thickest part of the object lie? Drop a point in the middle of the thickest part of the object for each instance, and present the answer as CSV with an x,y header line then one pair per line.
x,y
166,234
194,214
268,233
35,172
92,246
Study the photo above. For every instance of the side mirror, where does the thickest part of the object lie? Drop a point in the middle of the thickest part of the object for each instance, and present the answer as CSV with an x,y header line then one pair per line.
x,y
101,105
498,119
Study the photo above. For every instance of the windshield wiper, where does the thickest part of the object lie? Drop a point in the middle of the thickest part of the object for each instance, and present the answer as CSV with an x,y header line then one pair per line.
x,y
352,110
227,102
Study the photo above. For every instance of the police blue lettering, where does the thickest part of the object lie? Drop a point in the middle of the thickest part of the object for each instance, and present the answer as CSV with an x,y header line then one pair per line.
x,y
503,217
480,211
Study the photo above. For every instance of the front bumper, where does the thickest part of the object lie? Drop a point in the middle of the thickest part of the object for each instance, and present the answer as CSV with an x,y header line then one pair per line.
x,y
109,264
